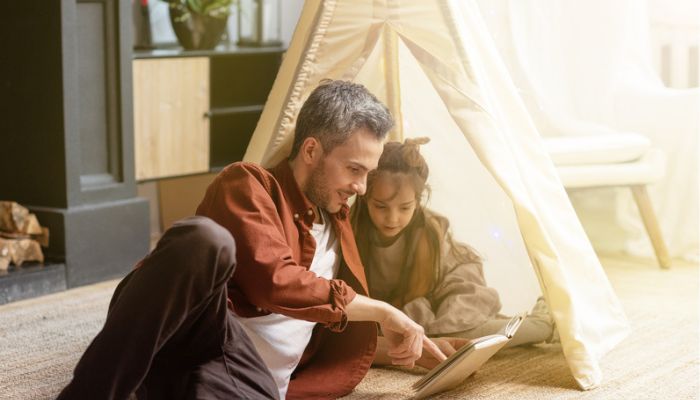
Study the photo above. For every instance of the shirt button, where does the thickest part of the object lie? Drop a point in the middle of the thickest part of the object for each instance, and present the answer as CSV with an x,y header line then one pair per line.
x,y
310,212
258,309
296,216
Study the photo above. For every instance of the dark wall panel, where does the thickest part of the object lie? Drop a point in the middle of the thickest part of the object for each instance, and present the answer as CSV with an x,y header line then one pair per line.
x,y
31,104
98,108
66,138
93,99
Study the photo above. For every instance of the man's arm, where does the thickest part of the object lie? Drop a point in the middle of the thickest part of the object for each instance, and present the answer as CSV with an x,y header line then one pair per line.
x,y
404,340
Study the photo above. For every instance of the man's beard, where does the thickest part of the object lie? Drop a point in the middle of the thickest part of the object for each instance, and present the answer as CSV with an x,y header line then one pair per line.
x,y
317,188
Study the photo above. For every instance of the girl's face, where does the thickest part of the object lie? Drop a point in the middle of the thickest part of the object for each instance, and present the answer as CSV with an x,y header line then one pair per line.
x,y
391,204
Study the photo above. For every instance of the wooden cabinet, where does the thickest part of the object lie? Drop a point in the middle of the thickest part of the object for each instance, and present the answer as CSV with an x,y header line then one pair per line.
x,y
171,131
194,112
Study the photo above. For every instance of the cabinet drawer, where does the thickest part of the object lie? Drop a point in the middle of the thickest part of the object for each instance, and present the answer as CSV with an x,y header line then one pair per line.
x,y
171,134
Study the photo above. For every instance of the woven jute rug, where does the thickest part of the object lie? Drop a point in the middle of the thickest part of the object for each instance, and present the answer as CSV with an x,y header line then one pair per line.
x,y
41,340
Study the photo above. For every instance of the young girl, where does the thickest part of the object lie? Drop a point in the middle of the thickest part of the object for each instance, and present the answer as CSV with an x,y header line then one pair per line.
x,y
412,262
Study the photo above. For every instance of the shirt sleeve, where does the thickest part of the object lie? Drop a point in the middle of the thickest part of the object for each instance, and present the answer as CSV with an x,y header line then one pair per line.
x,y
266,276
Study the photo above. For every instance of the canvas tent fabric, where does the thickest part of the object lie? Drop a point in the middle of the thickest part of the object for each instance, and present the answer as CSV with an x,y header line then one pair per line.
x,y
435,66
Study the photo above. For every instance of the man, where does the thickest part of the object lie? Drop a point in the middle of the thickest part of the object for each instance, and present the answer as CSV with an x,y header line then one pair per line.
x,y
297,302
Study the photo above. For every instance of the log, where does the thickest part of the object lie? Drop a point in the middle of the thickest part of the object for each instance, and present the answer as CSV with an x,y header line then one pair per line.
x,y
17,251
17,219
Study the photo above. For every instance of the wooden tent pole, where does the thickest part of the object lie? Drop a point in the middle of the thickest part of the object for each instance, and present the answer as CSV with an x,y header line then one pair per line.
x,y
393,87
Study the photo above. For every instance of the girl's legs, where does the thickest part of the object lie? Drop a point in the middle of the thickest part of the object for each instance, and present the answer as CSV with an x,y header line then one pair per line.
x,y
537,327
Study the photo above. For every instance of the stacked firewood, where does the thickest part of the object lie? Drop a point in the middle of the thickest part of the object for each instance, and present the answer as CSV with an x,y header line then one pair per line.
x,y
21,236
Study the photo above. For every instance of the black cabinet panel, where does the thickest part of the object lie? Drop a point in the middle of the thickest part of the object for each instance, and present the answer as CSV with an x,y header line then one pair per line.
x,y
242,79
229,138
240,84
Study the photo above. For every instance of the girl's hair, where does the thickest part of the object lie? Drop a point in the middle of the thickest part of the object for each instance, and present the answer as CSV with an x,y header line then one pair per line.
x,y
404,158
426,230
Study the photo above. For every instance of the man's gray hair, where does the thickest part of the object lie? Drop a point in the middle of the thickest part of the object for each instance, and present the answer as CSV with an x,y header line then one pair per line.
x,y
336,109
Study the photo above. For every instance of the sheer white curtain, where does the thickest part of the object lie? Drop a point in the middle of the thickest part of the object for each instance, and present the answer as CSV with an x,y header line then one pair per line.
x,y
585,68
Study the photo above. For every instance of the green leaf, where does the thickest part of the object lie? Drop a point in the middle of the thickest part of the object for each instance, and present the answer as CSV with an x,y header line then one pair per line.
x,y
218,7
195,6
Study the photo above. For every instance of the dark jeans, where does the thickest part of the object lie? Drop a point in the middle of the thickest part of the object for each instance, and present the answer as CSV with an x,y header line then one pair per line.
x,y
169,334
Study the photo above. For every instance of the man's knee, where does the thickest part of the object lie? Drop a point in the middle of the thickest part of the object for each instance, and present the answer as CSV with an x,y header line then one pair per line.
x,y
205,230
210,238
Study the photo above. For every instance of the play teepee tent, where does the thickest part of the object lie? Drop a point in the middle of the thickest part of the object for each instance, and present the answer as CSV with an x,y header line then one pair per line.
x,y
433,63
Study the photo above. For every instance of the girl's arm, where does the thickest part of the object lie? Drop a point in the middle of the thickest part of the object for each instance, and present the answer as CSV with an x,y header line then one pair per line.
x,y
459,301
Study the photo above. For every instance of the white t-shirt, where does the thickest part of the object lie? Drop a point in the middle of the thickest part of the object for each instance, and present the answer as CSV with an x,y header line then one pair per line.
x,y
281,340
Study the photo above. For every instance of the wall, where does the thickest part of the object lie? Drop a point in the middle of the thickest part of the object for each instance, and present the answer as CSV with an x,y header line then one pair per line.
x,y
162,32
675,36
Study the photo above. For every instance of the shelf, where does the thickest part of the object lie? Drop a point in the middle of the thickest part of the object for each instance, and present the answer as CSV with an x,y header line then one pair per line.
x,y
221,50
215,112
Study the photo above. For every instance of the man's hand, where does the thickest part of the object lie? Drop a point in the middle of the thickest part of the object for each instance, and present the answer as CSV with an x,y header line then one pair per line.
x,y
448,346
404,339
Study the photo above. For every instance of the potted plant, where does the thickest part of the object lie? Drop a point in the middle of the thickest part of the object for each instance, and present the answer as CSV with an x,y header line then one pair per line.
x,y
199,24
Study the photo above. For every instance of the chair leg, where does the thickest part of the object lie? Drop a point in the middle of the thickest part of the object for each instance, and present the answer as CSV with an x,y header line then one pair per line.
x,y
641,197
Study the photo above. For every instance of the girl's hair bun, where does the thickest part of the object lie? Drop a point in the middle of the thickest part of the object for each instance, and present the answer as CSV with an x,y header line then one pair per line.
x,y
410,151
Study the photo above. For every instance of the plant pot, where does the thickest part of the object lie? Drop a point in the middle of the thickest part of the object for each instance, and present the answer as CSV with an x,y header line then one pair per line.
x,y
196,31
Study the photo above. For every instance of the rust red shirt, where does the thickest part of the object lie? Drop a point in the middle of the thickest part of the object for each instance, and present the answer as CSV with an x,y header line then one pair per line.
x,y
270,219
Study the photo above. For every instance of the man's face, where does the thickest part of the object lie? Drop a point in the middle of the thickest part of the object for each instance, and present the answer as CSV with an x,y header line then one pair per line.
x,y
342,172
